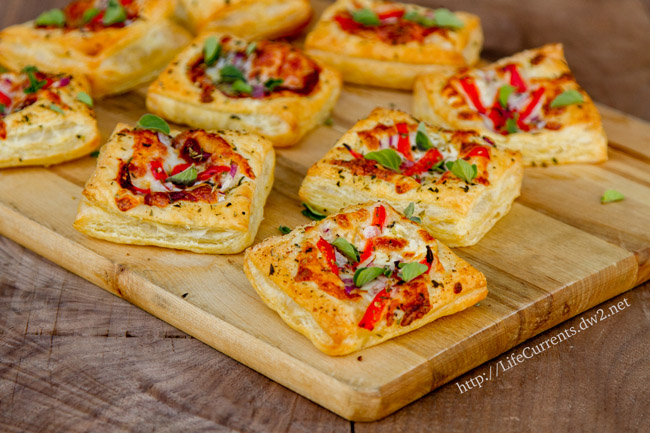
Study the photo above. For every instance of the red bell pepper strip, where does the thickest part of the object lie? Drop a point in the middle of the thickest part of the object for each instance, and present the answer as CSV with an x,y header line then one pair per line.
x,y
536,96
211,171
180,167
5,100
375,310
404,143
472,92
479,151
158,171
515,79
328,252
396,13
140,190
347,23
426,162
352,152
367,251
379,217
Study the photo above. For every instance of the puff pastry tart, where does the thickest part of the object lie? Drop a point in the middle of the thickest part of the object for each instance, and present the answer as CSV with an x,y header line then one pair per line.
x,y
269,88
249,18
44,118
528,102
458,183
116,44
361,277
198,191
387,44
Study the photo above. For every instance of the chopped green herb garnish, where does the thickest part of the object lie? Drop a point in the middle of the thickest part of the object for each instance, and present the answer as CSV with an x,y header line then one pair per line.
x,y
567,97
284,230
611,195
511,126
114,13
153,122
389,158
366,16
347,249
410,271
463,170
2,108
3,69
365,275
422,139
504,93
250,49
211,50
241,86
56,108
309,212
446,18
186,177
90,14
85,98
272,83
230,74
94,154
328,122
408,213
34,84
53,17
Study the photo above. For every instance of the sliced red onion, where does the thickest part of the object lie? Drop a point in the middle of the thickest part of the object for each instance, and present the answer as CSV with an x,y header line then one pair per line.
x,y
371,231
349,285
164,139
233,169
258,91
394,139
64,82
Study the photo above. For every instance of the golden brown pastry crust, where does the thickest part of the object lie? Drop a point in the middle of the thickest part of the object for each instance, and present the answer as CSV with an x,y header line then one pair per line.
x,y
378,63
293,276
283,118
457,213
246,18
114,60
39,135
569,134
223,224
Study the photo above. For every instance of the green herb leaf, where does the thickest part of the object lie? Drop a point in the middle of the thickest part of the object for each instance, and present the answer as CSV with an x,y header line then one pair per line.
x,y
309,212
387,271
186,177
250,49
365,275
230,74
567,97
410,271
412,15
511,126
365,16
439,167
3,69
504,93
56,108
446,18
153,122
284,230
114,13
611,195
423,20
85,98
328,122
422,139
347,249
34,84
2,108
240,86
408,213
53,17
272,83
90,14
94,154
389,158
463,170
211,50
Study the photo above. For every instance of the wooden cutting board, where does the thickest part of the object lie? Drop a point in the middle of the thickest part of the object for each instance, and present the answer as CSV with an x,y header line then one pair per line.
x,y
556,254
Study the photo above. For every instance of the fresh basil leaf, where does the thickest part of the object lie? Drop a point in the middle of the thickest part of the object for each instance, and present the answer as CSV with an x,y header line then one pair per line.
x,y
410,271
412,15
387,271
153,122
211,50
186,177
463,170
389,158
3,69
94,154
445,18
439,167
53,17
421,138
423,20
85,98
90,14
365,16
250,49
56,108
309,212
230,74
511,126
504,93
284,230
114,13
408,213
34,84
272,83
567,97
241,86
365,275
611,195
347,249
2,108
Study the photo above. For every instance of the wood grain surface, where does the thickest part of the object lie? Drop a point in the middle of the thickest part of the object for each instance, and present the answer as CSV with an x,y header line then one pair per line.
x,y
70,361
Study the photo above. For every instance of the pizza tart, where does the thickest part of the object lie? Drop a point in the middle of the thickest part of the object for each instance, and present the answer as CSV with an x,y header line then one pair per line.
x,y
458,183
116,44
270,88
387,44
528,102
361,277
196,190
249,18
44,118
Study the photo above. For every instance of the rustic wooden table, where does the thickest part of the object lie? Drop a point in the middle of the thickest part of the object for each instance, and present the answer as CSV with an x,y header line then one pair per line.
x,y
75,358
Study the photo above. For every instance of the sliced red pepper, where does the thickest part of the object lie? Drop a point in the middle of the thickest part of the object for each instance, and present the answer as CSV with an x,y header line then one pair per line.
x,y
328,252
140,190
379,217
498,116
352,152
396,13
367,251
472,92
479,151
347,23
5,100
211,171
180,167
375,310
404,143
429,159
536,96
158,170
515,79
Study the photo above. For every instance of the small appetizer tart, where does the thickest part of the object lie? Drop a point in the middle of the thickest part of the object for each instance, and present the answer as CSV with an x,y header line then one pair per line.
x,y
247,18
387,44
361,277
457,183
196,190
44,118
115,44
266,87
528,102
